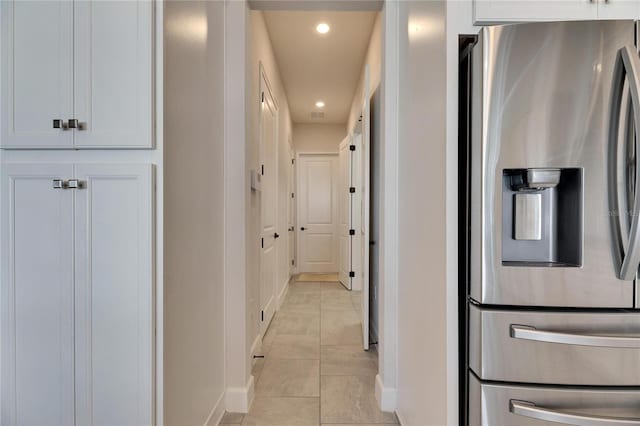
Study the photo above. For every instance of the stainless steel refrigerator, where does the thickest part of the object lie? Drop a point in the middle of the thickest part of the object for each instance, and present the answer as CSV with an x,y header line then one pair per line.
x,y
550,225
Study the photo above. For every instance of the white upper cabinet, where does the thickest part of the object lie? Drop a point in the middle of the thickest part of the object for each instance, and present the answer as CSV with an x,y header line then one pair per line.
x,y
37,73
619,9
501,11
113,70
87,64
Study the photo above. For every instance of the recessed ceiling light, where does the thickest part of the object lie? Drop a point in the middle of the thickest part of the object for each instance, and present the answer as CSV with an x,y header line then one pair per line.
x,y
320,104
323,28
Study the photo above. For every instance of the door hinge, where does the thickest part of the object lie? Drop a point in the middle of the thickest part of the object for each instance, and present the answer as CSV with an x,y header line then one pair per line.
x,y
352,147
352,274
352,189
262,242
352,232
261,315
262,169
293,195
293,262
262,97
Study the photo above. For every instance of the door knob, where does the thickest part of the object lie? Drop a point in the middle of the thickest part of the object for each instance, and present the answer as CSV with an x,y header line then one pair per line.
x,y
303,228
276,235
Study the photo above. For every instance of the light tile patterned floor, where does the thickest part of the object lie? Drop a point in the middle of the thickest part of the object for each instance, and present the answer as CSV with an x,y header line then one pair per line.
x,y
315,371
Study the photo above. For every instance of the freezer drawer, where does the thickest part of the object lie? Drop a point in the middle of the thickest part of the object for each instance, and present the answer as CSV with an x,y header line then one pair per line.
x,y
569,348
493,404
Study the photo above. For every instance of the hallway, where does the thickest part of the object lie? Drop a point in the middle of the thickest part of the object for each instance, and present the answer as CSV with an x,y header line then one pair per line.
x,y
314,370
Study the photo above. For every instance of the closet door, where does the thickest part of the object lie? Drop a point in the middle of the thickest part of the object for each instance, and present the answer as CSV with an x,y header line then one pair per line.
x,y
36,296
114,295
113,73
37,73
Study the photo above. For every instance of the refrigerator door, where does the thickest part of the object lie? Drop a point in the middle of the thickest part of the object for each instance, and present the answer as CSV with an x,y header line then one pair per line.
x,y
562,348
511,405
544,230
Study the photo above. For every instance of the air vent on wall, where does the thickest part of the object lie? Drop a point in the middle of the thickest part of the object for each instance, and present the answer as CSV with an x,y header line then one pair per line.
x,y
317,114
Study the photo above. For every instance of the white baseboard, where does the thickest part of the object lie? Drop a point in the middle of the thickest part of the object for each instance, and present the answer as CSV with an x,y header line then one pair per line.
x,y
386,397
283,293
238,400
217,412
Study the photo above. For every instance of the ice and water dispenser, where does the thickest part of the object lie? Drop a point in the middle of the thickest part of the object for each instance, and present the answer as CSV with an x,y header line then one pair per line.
x,y
542,217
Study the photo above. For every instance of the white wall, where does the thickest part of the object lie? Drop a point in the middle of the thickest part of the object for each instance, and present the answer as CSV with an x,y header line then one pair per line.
x,y
373,58
422,273
261,51
194,376
311,137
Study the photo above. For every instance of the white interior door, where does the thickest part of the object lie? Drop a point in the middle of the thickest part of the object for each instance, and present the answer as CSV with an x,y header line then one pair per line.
x,y
37,337
292,212
37,63
114,294
317,213
345,229
268,206
363,128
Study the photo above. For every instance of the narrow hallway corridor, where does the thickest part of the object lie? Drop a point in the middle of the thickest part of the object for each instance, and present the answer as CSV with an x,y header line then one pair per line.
x,y
315,370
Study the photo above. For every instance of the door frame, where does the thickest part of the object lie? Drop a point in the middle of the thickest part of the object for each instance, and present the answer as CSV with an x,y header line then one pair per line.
x,y
299,156
293,212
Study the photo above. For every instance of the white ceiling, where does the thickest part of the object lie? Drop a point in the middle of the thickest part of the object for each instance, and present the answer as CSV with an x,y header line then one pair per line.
x,y
316,66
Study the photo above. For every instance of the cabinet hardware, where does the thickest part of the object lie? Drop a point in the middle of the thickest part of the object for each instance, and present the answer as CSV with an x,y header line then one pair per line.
x,y
75,124
59,184
75,184
59,124
276,235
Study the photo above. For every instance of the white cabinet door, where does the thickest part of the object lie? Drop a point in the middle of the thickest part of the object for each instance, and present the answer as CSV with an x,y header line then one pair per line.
x,y
494,11
114,295
37,297
619,9
37,68
114,73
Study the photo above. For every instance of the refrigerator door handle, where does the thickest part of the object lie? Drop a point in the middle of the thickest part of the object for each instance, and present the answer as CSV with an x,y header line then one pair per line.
x,y
627,65
576,339
532,411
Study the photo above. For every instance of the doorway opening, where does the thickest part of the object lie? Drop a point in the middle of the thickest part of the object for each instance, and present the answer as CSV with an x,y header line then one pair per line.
x,y
313,101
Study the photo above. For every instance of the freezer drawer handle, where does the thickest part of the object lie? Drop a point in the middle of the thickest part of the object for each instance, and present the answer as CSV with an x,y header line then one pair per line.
x,y
531,333
529,409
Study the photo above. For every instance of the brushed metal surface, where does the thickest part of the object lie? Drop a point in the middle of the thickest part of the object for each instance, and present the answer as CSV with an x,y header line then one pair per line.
x,y
577,357
541,100
528,217
533,411
496,400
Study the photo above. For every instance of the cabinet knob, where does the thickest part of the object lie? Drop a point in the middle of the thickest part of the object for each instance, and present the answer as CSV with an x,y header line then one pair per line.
x,y
75,184
60,124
